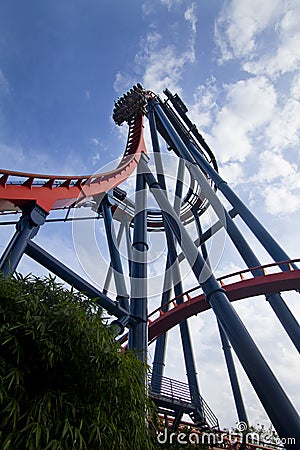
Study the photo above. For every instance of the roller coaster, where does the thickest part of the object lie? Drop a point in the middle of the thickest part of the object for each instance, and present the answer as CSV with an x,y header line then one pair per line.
x,y
180,216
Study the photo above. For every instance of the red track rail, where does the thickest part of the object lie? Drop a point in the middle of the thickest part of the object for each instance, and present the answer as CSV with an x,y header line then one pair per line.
x,y
244,288
266,284
56,192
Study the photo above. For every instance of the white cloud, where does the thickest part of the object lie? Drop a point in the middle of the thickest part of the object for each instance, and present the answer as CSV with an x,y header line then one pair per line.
x,y
170,3
164,69
249,104
233,173
96,159
281,199
4,84
162,65
274,166
239,24
150,7
190,16
204,106
285,59
266,33
295,87
95,141
278,183
122,82
284,128
230,146
253,100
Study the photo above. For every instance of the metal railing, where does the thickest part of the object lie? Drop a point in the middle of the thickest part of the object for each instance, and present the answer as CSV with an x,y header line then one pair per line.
x,y
172,389
179,393
240,275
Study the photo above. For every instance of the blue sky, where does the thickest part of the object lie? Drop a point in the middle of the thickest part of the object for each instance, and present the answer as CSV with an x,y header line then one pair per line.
x,y
236,65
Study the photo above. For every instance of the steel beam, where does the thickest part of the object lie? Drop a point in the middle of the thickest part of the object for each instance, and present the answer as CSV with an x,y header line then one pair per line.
x,y
27,227
173,265
186,341
286,318
237,395
65,273
138,338
264,237
194,157
199,231
128,242
275,401
160,345
208,233
110,269
115,258
224,217
277,303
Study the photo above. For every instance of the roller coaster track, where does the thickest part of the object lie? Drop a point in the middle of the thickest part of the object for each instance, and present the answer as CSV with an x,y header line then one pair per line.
x,y
22,192
266,284
172,313
57,192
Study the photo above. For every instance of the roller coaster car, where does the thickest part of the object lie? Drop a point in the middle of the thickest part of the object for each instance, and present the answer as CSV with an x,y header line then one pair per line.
x,y
131,103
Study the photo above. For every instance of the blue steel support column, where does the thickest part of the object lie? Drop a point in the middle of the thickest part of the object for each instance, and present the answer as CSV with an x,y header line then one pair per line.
x,y
48,261
26,229
264,237
110,269
275,401
128,243
115,258
185,335
160,345
199,230
277,303
282,311
217,226
138,338
234,233
286,318
178,290
237,395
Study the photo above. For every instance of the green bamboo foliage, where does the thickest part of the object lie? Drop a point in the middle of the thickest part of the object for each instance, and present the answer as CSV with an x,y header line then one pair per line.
x,y
64,382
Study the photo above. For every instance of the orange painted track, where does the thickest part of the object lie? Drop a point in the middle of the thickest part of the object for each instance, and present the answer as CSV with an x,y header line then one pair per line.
x,y
57,192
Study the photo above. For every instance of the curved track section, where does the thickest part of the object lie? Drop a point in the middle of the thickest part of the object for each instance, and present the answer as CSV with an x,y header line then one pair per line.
x,y
244,288
57,192
267,284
